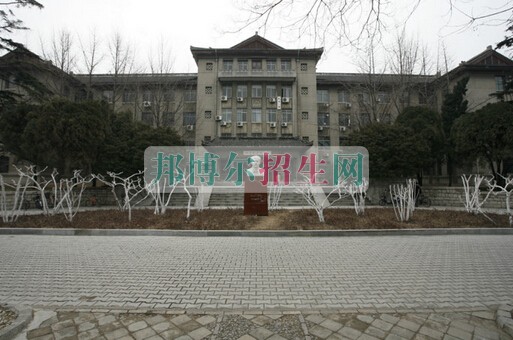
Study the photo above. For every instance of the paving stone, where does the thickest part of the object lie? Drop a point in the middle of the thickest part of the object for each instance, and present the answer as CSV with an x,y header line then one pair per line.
x,y
261,333
365,318
106,319
394,337
143,333
378,333
155,337
62,324
410,325
155,320
181,319
184,337
402,332
390,318
65,333
118,333
331,325
458,333
261,320
39,332
431,332
85,326
45,337
315,318
171,333
246,337
486,333
137,326
205,320
367,337
160,327
336,336
383,325
350,332
88,335
320,332
485,315
199,333
465,326
276,337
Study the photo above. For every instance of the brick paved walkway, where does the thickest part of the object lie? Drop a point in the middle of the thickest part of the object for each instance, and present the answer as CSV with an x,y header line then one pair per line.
x,y
255,273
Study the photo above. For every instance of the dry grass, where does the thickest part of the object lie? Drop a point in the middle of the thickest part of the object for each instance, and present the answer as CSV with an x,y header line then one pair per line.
x,y
233,219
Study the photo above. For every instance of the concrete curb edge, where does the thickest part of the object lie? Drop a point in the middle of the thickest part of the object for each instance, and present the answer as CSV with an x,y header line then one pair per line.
x,y
505,318
23,319
255,233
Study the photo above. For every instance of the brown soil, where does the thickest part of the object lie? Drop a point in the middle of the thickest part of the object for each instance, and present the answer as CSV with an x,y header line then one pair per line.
x,y
233,219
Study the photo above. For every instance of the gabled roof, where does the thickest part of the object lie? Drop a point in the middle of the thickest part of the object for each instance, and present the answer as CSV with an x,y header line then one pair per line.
x,y
489,57
257,42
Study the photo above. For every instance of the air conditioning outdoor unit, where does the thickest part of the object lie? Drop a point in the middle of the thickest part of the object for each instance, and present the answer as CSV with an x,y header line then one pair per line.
x,y
284,124
224,98
348,105
342,128
224,123
240,124
320,128
190,127
240,99
285,100
326,104
272,125
147,104
272,100
219,118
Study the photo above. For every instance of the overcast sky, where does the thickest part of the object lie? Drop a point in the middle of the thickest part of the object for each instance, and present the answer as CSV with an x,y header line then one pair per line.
x,y
207,23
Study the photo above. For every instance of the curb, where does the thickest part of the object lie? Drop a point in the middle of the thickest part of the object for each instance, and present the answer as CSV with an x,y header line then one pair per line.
x,y
505,318
255,233
23,319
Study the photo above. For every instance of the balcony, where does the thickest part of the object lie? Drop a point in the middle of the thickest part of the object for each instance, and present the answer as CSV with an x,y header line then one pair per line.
x,y
256,74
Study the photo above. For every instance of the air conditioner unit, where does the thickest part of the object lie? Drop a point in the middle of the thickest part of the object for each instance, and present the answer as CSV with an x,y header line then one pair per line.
x,y
147,104
224,98
348,105
378,100
285,100
240,99
219,118
284,124
348,122
342,128
224,123
240,124
272,124
320,128
190,127
326,105
272,100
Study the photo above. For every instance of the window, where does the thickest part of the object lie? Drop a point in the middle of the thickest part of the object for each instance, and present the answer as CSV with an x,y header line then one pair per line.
x,y
169,96
256,116
243,65
286,116
208,114
227,91
242,91
227,65
208,89
383,98
168,118
304,91
270,91
256,91
190,95
147,96
285,65
364,118
343,97
128,96
271,115
499,83
324,141
256,65
304,67
323,119
363,98
304,115
323,96
108,96
4,164
271,65
189,118
305,139
227,115
241,115
209,66
423,98
344,119
286,91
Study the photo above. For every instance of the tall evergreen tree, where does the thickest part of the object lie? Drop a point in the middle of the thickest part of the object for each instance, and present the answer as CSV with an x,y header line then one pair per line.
x,y
453,106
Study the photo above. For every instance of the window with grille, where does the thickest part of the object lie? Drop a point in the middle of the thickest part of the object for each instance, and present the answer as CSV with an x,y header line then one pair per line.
x,y
189,118
241,115
304,91
209,66
208,89
304,67
286,116
208,114
227,115
323,119
304,115
271,115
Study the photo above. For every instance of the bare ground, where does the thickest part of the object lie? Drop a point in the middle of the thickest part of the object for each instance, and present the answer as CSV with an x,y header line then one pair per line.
x,y
234,219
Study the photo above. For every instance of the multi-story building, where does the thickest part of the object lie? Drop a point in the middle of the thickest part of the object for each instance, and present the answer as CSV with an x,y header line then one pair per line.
x,y
258,93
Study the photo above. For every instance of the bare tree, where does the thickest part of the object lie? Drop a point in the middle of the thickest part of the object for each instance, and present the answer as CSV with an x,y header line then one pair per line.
x,y
403,199
349,22
91,58
472,190
18,188
507,189
121,59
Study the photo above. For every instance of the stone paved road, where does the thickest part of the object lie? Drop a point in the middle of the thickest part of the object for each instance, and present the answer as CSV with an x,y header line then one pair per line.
x,y
248,273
